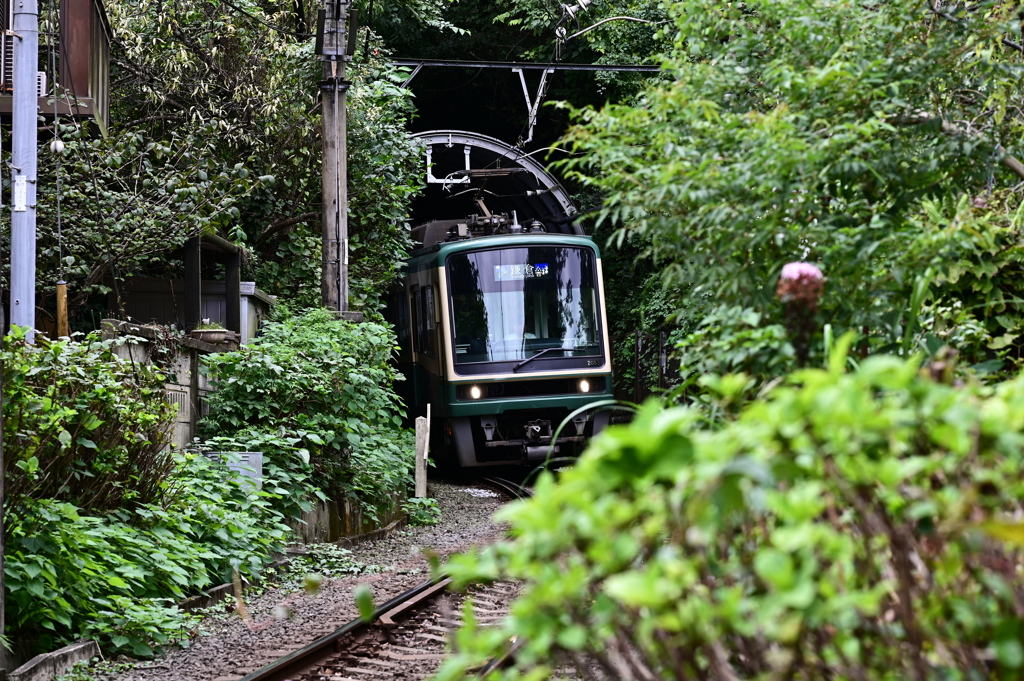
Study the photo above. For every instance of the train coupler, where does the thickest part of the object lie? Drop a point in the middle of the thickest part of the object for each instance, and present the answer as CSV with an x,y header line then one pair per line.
x,y
535,430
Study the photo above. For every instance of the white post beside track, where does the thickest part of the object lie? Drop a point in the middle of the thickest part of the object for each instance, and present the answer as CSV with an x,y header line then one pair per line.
x,y
422,452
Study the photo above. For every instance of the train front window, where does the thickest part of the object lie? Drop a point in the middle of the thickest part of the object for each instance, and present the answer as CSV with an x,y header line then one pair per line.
x,y
512,303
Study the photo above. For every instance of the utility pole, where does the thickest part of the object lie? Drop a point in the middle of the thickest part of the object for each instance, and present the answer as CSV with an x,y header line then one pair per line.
x,y
23,173
5,657
331,46
25,27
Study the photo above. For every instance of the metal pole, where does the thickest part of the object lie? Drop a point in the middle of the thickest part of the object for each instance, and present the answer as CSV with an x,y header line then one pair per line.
x,y
333,89
25,27
5,658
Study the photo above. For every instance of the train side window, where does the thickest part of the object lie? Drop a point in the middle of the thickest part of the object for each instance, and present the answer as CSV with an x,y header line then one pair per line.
x,y
417,319
398,314
425,323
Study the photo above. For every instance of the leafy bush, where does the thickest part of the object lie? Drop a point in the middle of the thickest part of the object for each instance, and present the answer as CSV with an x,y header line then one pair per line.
x,y
83,425
71,575
287,469
422,511
856,525
731,339
324,383
776,136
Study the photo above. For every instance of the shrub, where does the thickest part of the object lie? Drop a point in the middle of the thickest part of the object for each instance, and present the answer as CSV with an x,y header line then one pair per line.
x,y
83,425
422,511
69,574
287,469
326,383
855,525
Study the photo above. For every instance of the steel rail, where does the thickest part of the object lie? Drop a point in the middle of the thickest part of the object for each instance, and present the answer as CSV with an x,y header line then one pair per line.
x,y
556,66
320,650
513,489
305,659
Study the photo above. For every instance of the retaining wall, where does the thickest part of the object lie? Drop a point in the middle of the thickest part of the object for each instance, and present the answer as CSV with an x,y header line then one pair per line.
x,y
337,520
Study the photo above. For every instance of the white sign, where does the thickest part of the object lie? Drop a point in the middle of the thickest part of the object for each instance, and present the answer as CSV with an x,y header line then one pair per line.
x,y
20,190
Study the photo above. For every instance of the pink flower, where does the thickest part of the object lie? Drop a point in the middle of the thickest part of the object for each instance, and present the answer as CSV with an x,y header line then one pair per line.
x,y
802,270
801,282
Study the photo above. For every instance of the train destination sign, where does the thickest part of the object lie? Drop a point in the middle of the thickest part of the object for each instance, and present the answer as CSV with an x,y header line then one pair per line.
x,y
520,272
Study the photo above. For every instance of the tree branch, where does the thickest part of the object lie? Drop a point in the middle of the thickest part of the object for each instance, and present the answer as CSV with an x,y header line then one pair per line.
x,y
949,17
1007,160
275,227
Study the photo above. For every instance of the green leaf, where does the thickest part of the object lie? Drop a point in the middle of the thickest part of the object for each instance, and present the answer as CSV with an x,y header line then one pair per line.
x,y
1008,532
1009,652
364,602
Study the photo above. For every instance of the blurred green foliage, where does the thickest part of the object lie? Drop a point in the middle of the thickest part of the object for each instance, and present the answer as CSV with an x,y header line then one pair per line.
x,y
848,525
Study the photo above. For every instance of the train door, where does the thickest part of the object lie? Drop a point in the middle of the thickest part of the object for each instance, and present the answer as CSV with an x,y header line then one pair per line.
x,y
427,345
397,312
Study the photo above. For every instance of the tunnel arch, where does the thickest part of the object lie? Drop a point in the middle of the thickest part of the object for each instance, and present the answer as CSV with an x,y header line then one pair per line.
x,y
504,177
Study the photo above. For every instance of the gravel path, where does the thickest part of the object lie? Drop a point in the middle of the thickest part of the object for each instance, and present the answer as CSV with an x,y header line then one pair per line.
x,y
231,648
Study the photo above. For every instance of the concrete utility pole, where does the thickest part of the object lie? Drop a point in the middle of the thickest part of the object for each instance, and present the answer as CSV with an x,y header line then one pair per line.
x,y
25,28
333,90
23,173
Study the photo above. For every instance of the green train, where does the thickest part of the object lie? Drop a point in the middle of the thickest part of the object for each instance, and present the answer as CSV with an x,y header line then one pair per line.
x,y
502,331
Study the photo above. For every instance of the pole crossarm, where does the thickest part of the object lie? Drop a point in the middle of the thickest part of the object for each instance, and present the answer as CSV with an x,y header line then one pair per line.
x,y
556,66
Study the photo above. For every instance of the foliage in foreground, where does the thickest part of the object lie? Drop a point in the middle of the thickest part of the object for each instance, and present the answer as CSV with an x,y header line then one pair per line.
x,y
857,526
326,384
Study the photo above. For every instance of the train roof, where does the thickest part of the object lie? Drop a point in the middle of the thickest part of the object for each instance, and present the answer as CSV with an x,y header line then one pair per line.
x,y
434,256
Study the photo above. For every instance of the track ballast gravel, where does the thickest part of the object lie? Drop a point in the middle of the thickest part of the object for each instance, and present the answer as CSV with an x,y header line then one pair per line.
x,y
231,648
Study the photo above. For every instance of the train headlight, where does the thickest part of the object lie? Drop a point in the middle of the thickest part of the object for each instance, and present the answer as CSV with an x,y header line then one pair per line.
x,y
475,392
584,386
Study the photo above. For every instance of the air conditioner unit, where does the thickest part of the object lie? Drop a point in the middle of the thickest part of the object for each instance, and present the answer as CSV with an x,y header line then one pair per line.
x,y
6,61
6,64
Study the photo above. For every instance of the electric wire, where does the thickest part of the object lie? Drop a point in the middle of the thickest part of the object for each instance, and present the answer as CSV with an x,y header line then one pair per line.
x,y
57,145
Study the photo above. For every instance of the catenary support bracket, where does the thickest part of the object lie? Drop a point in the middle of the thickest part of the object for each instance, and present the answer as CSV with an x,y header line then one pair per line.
x,y
532,107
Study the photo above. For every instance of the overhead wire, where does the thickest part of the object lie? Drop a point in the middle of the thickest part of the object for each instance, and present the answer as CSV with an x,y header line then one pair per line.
x,y
57,146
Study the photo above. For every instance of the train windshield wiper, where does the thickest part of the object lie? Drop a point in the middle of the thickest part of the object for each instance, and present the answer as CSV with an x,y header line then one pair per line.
x,y
542,352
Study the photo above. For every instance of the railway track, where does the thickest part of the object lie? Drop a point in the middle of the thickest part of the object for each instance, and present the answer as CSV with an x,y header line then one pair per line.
x,y
406,638
511,489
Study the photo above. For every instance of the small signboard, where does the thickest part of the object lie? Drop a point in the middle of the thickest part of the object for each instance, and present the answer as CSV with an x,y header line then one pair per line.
x,y
20,193
521,272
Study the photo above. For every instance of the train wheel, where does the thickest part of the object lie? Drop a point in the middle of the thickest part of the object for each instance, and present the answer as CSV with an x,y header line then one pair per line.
x,y
462,442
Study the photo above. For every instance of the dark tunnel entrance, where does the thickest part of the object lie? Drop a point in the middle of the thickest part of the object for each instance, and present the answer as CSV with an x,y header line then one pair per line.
x,y
471,174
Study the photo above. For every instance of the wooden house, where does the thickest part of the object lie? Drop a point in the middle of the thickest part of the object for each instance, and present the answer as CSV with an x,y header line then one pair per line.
x,y
82,50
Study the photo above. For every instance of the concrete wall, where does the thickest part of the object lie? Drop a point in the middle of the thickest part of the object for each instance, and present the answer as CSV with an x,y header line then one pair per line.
x,y
336,520
186,387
